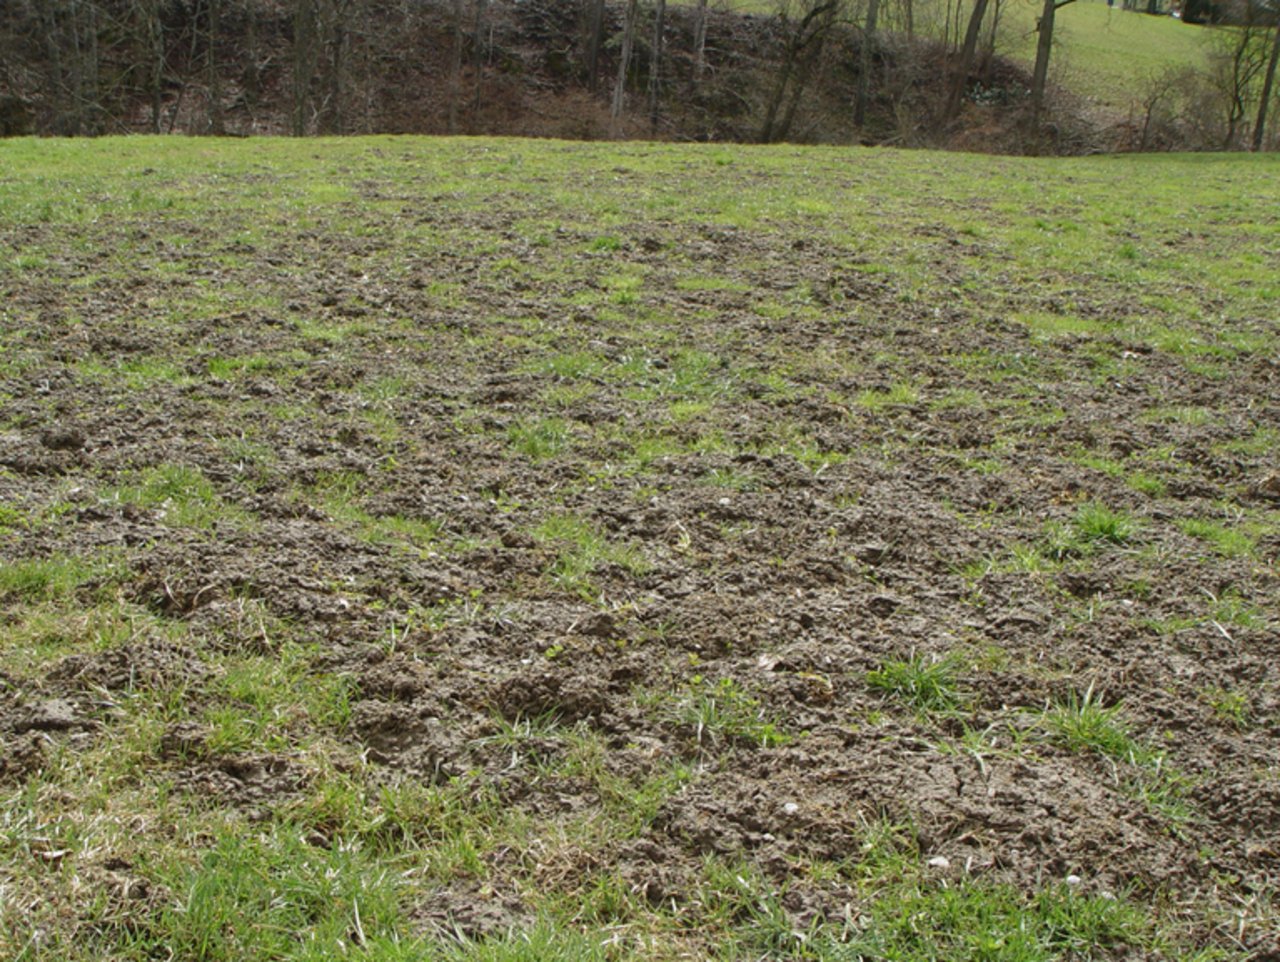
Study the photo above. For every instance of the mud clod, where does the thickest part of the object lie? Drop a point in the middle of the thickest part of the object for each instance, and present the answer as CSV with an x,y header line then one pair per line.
x,y
54,715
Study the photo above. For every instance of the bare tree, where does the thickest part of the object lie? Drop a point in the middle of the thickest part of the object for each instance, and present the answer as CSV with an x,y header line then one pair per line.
x,y
624,67
993,31
455,67
322,48
149,38
67,34
253,55
802,46
960,78
864,64
699,43
595,39
1044,46
1260,126
213,69
305,55
477,55
1241,55
655,60
1158,92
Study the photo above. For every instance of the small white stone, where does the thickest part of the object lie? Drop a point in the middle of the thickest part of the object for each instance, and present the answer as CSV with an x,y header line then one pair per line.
x,y
791,808
940,861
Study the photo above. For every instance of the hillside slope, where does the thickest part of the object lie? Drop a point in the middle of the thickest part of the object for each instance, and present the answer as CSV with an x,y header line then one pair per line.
x,y
1108,54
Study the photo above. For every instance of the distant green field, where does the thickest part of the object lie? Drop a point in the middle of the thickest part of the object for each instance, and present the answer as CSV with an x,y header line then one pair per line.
x,y
1104,53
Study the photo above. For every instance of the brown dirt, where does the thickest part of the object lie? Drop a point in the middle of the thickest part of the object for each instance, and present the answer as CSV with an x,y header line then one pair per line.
x,y
792,583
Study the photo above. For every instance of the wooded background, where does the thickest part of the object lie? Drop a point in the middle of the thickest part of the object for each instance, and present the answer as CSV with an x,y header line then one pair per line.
x,y
917,72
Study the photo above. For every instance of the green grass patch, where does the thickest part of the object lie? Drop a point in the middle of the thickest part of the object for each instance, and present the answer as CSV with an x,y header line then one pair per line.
x,y
57,576
541,439
725,711
181,496
1050,326
580,550
1226,541
898,394
701,283
975,920
1084,724
269,894
1098,523
926,682
1094,526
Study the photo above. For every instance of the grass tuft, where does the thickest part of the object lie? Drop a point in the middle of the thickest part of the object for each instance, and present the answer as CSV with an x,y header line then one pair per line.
x,y
927,682
725,711
541,439
1083,724
1096,522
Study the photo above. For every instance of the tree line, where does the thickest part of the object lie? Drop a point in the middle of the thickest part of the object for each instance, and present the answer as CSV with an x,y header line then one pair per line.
x,y
898,71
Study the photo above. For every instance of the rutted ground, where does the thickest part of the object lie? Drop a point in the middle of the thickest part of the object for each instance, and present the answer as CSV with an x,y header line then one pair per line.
x,y
728,554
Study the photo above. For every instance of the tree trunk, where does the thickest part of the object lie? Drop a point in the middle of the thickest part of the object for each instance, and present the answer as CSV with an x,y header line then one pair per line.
x,y
655,62
624,65
864,64
477,59
216,126
455,68
595,37
1259,128
84,47
699,43
53,67
1044,47
952,16
783,129
961,78
779,92
76,73
253,76
92,83
303,62
337,36
1241,74
153,27
989,44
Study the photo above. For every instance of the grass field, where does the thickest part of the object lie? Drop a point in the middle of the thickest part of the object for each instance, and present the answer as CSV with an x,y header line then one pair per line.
x,y
1112,56
1106,54
417,549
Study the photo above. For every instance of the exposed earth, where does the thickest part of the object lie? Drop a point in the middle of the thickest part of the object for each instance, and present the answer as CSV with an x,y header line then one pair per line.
x,y
672,537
